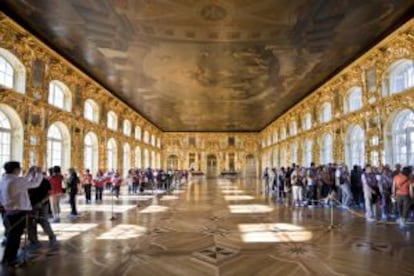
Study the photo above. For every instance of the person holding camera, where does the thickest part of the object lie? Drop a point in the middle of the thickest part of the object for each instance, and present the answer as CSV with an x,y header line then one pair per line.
x,y
14,197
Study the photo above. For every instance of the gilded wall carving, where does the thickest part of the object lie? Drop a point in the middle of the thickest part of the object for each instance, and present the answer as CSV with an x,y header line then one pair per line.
x,y
43,65
367,72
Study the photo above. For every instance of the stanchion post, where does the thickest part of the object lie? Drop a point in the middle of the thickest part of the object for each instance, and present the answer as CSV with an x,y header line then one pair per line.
x,y
112,208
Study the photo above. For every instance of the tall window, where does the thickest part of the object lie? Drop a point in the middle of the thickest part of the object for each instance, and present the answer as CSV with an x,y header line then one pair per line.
x,y
159,142
307,153
153,160
11,135
60,95
401,76
91,152
326,149
283,161
6,73
146,137
5,139
294,153
282,133
293,128
138,133
153,140
146,158
138,157
12,71
400,146
275,136
307,121
126,162
326,113
91,111
276,158
58,146
112,122
353,100
112,154
127,128
355,146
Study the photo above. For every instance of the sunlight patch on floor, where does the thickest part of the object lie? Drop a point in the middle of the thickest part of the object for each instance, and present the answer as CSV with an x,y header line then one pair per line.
x,y
250,208
123,232
273,233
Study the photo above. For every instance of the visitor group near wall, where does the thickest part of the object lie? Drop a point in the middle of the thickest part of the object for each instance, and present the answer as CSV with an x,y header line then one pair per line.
x,y
383,193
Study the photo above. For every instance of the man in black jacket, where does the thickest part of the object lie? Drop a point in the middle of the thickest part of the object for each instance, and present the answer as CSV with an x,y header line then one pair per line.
x,y
39,198
73,183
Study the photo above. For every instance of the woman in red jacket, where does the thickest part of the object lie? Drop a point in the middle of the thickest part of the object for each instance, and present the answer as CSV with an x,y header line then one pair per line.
x,y
56,191
99,182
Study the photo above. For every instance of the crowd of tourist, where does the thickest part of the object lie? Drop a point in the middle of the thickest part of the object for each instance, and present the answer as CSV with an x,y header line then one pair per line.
x,y
383,192
26,201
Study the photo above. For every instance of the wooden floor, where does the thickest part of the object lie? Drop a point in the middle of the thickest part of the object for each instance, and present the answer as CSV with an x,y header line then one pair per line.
x,y
219,227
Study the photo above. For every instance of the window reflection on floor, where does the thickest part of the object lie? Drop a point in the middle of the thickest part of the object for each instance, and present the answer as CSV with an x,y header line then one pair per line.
x,y
154,209
66,231
238,197
123,232
273,233
250,208
65,208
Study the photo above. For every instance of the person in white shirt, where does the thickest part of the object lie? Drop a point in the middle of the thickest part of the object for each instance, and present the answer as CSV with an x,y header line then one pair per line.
x,y
15,199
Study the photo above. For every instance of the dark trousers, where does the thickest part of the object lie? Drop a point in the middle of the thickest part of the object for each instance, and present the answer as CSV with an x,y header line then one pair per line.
x,y
116,189
98,193
87,188
312,195
17,224
40,215
403,203
72,202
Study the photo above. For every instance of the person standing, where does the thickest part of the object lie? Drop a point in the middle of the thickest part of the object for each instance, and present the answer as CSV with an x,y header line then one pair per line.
x,y
296,179
56,184
116,181
14,197
73,182
386,192
39,198
371,192
99,182
356,186
87,185
345,185
401,192
311,183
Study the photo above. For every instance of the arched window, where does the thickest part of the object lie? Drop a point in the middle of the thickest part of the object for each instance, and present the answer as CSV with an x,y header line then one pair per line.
x,y
326,149
326,113
153,160
11,135
112,122
91,111
127,128
355,146
146,158
138,160
159,142
138,133
293,128
12,71
294,153
400,138
307,121
146,137
112,154
126,161
400,77
307,153
353,100
91,152
60,95
58,146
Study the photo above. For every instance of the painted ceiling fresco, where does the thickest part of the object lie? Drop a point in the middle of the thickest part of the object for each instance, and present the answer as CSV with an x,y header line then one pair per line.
x,y
210,65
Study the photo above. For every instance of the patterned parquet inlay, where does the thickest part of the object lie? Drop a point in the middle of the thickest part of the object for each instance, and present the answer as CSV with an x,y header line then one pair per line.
x,y
218,227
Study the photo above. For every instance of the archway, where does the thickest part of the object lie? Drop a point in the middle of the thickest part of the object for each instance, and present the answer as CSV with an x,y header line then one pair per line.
x,y
172,162
211,165
250,169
